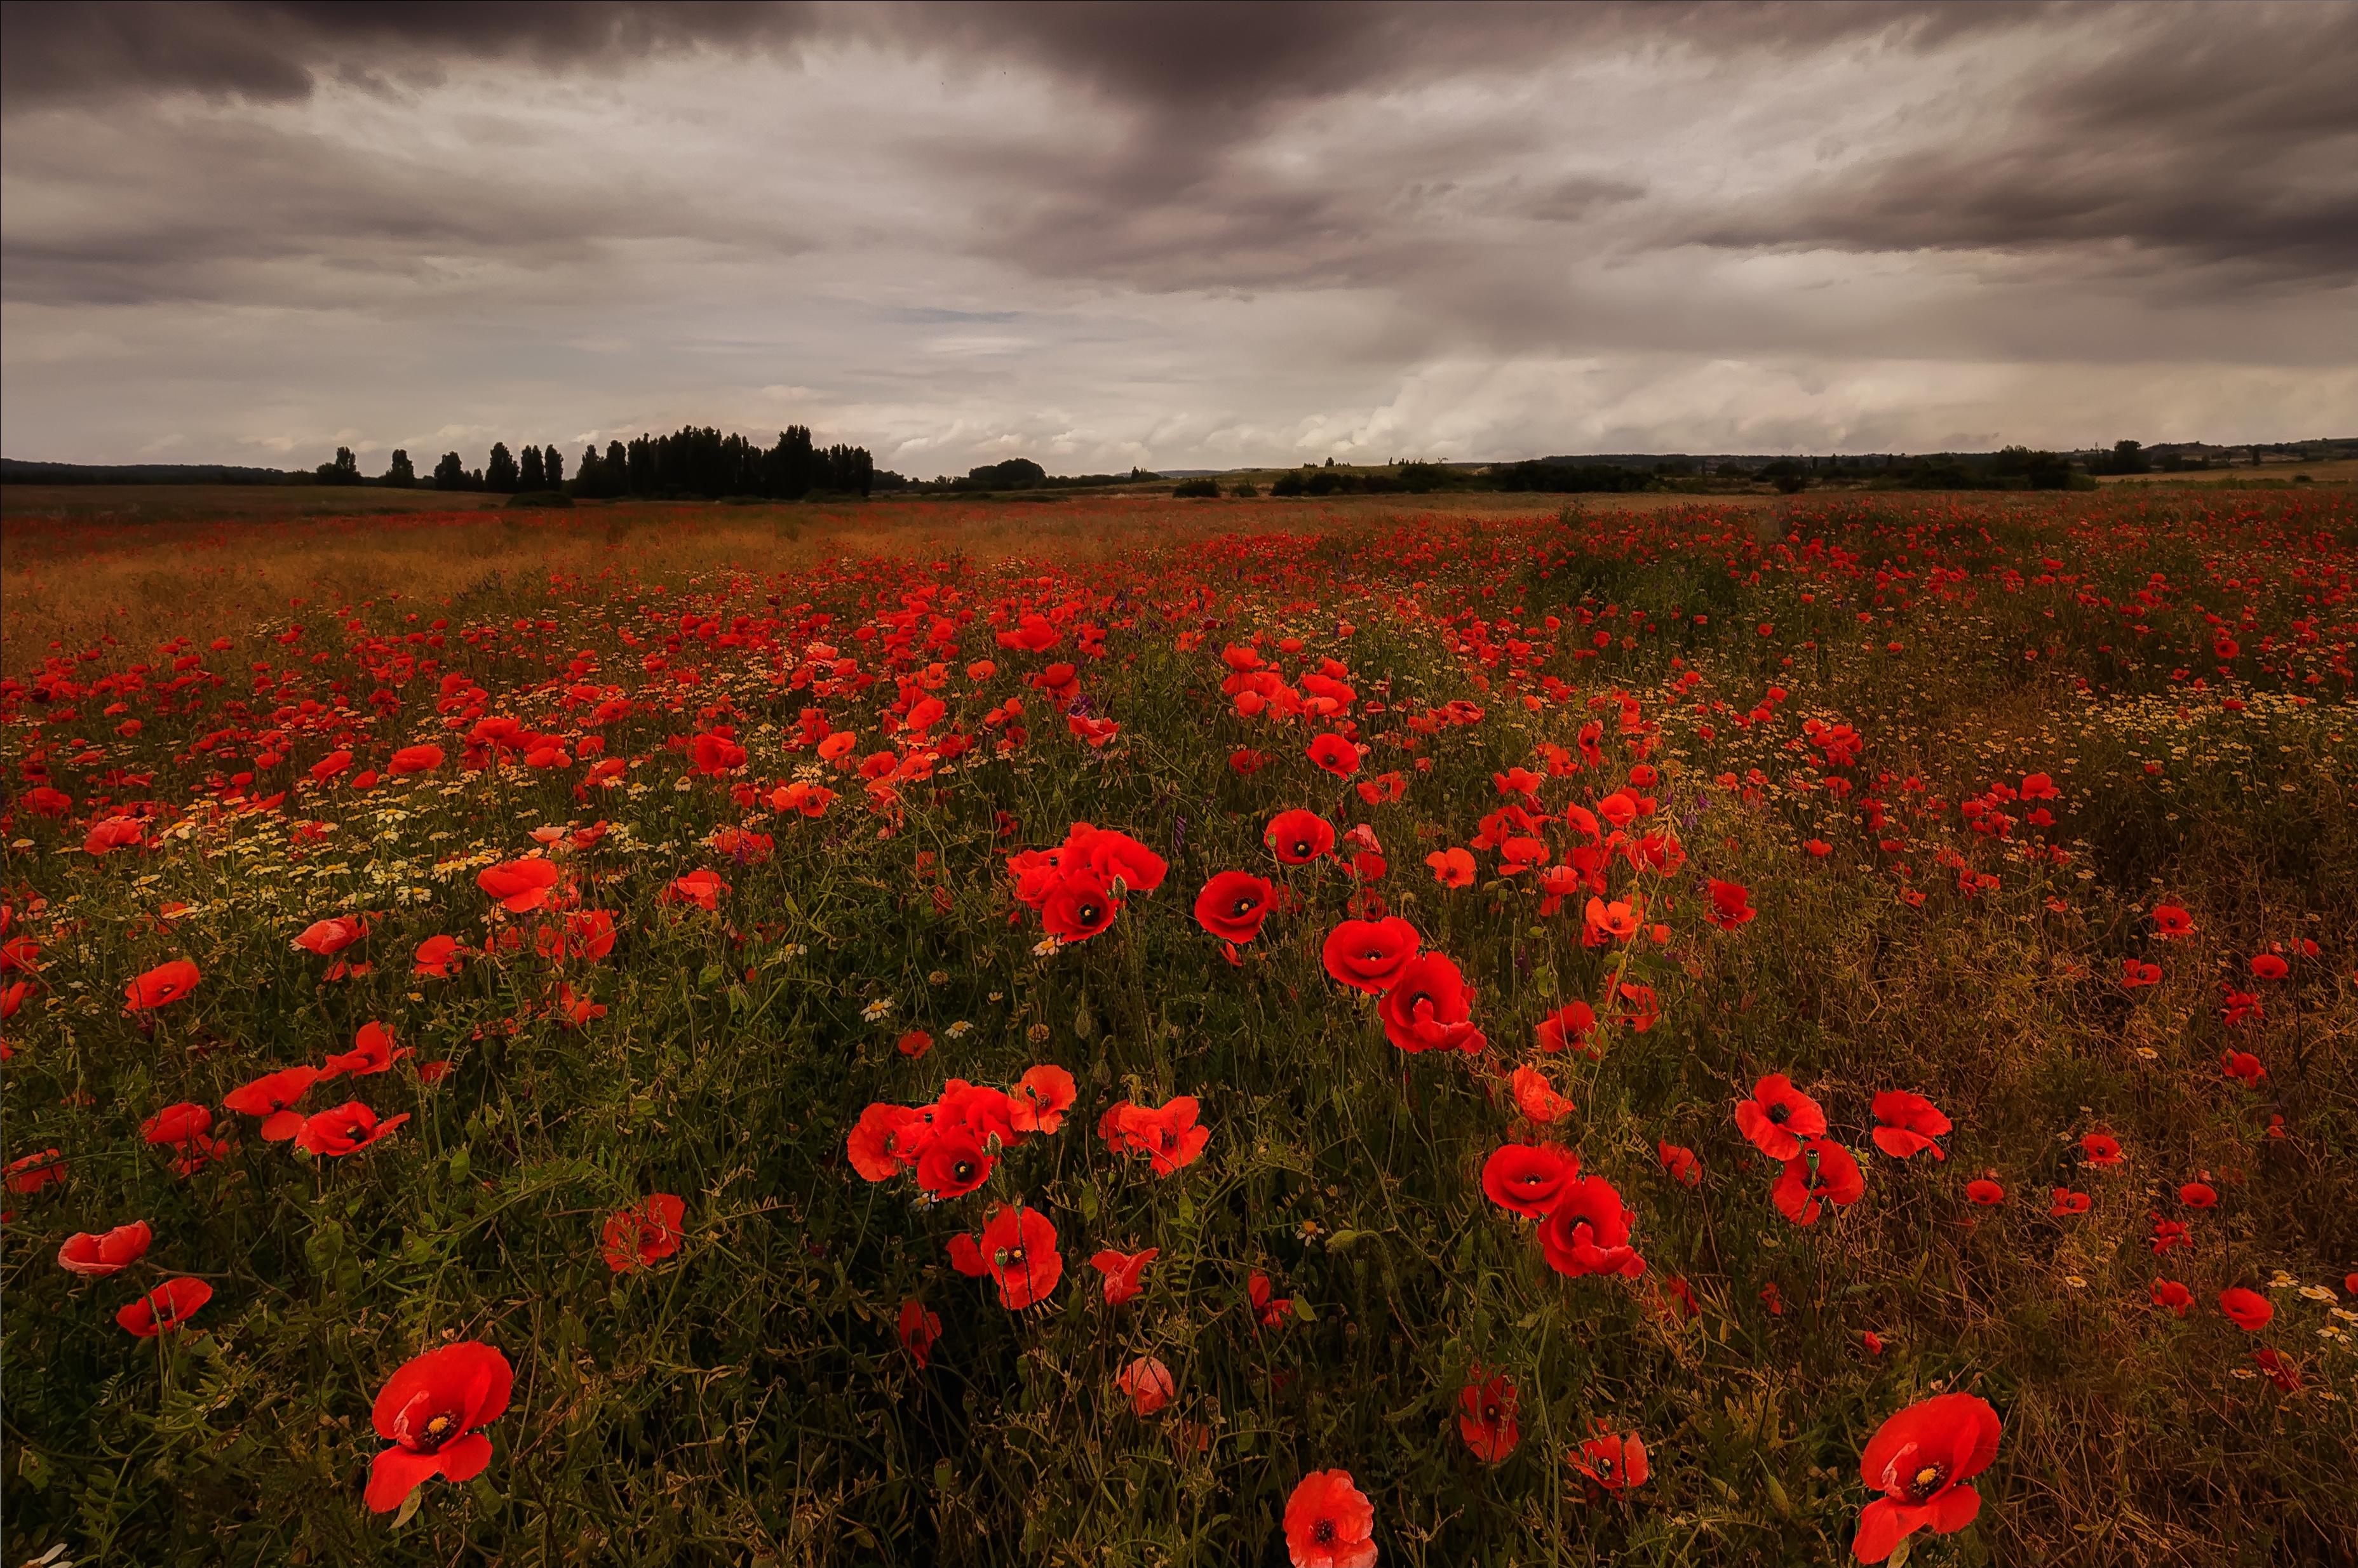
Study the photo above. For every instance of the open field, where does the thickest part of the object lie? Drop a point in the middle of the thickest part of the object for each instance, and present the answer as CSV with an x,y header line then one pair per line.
x,y
162,562
1290,890
2344,472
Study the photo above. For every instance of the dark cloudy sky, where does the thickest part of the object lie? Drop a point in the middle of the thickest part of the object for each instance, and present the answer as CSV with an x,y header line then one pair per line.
x,y
1178,236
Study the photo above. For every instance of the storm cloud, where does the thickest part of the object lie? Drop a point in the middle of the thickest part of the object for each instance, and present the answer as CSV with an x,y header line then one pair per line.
x,y
1179,236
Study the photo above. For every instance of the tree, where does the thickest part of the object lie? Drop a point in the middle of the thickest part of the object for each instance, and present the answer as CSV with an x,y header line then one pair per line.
x,y
552,462
345,469
398,472
450,473
2128,456
529,475
589,479
499,472
616,479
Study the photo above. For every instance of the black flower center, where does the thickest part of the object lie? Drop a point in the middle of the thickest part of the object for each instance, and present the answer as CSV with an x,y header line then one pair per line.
x,y
1779,1112
1323,1532
1925,1482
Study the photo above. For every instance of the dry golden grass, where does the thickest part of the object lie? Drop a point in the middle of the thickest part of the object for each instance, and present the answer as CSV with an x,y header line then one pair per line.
x,y
2341,471
144,564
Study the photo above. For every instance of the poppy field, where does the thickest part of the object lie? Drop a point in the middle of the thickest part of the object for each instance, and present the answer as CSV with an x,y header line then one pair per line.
x,y
1807,1031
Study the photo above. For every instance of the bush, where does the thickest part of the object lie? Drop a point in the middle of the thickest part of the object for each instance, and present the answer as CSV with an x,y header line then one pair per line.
x,y
539,498
1243,487
1197,489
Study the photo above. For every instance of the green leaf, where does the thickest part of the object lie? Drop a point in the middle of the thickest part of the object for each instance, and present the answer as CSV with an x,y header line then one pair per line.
x,y
409,1507
461,1164
709,978
1304,1311
1343,1241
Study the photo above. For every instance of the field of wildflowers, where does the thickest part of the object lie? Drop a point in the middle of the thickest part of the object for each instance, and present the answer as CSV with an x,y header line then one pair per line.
x,y
1703,1035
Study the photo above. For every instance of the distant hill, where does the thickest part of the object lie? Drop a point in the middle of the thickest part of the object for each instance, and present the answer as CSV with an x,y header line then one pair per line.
x,y
14,470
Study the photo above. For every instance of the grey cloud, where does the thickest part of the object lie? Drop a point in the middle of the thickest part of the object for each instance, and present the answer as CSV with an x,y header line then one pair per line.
x,y
1196,56
2220,139
277,50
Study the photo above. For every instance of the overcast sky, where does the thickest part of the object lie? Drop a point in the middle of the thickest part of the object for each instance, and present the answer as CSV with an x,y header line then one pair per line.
x,y
1174,236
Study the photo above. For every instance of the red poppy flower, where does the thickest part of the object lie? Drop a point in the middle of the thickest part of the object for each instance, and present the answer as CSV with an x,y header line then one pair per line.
x,y
2170,920
1570,1024
2248,1310
919,1329
2100,1149
576,1010
1920,1459
1485,1417
1536,1097
1822,1170
954,1163
326,938
1429,1008
638,1237
1985,1192
978,1108
115,833
1527,1178
1452,868
1680,1162
1370,954
1614,1461
1587,1232
1269,1308
430,1411
878,1144
347,1129
2269,967
2199,1195
29,1173
1147,1383
372,1052
1777,1117
700,887
415,760
1018,1251
1910,1122
1040,1100
2136,973
1168,1136
1118,860
1329,1523
2280,1370
1336,755
519,886
1731,904
177,1124
2171,1294
2243,1067
1079,906
1233,904
95,1257
2067,1203
1122,1271
1298,837
167,1307
435,956
161,986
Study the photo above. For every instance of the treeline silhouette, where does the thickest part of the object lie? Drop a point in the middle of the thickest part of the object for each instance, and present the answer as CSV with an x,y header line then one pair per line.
x,y
695,460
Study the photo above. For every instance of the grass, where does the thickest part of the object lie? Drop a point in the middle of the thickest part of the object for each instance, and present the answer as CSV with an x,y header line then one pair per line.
x,y
748,1398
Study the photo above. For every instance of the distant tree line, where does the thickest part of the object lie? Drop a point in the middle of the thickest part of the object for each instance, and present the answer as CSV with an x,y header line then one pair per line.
x,y
1020,473
696,461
